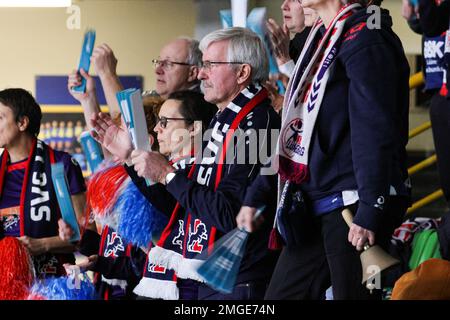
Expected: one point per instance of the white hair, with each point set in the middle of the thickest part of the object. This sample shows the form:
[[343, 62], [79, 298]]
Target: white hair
[[245, 46]]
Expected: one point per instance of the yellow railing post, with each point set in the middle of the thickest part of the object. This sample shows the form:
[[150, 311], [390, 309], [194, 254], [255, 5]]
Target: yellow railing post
[[426, 200], [422, 165], [418, 130], [416, 80]]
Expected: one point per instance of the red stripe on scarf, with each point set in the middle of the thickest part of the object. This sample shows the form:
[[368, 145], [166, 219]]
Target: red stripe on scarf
[[173, 217], [241, 115], [290, 170], [186, 234]]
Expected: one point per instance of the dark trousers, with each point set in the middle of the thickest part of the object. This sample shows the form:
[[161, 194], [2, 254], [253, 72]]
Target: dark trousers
[[244, 291], [327, 258], [440, 121]]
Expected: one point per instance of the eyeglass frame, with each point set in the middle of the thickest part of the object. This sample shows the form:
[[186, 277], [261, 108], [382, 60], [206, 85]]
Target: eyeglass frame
[[163, 120], [211, 63], [165, 62]]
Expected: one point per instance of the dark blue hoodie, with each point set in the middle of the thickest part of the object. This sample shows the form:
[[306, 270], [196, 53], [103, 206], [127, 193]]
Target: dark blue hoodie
[[362, 128]]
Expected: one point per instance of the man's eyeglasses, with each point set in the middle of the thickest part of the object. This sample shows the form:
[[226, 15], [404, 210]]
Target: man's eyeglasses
[[163, 120], [167, 64], [207, 65]]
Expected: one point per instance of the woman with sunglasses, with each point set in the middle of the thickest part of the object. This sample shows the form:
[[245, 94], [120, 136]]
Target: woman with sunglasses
[[181, 120], [117, 264]]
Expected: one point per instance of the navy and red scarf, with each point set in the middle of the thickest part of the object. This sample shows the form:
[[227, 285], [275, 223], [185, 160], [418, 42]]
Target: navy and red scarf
[[39, 210], [159, 282], [186, 236], [112, 246]]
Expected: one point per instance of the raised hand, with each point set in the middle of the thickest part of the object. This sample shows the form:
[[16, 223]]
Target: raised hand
[[65, 231], [113, 138], [104, 61], [279, 37], [74, 80], [276, 98], [246, 219]]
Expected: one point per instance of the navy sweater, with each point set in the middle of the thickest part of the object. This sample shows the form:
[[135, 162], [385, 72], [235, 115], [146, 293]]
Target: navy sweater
[[362, 128]]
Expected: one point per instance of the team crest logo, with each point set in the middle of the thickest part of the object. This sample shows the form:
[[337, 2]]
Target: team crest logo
[[11, 222], [353, 32], [45, 264], [114, 245], [196, 236], [292, 138]]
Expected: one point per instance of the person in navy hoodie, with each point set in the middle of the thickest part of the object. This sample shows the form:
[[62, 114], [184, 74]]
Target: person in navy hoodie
[[342, 145]]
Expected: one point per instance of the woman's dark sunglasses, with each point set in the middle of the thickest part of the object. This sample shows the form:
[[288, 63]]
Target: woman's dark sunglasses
[[163, 120]]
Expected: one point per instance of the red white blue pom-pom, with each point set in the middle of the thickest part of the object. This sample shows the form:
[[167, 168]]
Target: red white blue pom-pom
[[104, 188], [16, 269], [138, 219], [62, 288]]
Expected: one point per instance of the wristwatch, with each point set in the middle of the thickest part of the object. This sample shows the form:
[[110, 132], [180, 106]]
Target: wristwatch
[[169, 177]]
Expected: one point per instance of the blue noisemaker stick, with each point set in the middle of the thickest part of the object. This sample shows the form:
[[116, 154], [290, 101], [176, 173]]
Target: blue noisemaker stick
[[91, 150], [221, 268], [85, 59], [64, 200], [131, 107], [256, 22], [226, 18]]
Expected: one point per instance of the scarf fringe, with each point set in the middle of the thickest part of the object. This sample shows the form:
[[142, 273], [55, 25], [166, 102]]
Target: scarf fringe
[[293, 171], [275, 241], [115, 282], [184, 268], [188, 269], [165, 258], [157, 289]]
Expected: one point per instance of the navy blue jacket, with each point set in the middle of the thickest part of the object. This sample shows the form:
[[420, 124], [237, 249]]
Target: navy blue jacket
[[362, 128]]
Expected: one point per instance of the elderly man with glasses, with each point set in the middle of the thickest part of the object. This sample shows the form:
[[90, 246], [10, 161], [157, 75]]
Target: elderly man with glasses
[[210, 194], [177, 67]]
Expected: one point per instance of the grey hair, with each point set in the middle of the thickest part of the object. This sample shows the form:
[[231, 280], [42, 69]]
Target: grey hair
[[194, 54], [245, 46]]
